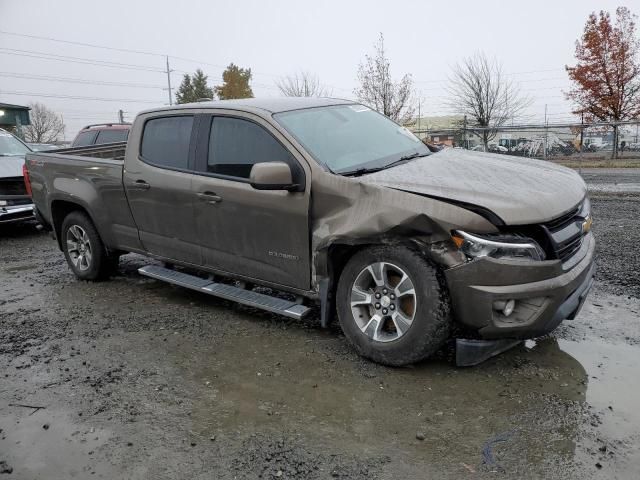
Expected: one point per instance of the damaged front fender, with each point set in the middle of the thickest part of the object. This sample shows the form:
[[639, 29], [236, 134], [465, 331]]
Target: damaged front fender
[[348, 212]]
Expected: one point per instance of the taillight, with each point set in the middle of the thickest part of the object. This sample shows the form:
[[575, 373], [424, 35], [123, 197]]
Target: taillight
[[27, 180]]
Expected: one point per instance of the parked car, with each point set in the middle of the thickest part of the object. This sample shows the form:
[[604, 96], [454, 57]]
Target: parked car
[[15, 202], [495, 148], [101, 133], [326, 200]]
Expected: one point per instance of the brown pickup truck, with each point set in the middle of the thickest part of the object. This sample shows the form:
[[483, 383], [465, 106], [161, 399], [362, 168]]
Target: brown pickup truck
[[327, 201]]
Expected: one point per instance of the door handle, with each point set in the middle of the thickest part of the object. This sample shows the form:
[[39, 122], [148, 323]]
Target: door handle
[[209, 197], [140, 184]]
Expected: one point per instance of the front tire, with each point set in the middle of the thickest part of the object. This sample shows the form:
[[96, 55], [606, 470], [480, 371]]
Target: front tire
[[392, 306], [86, 255]]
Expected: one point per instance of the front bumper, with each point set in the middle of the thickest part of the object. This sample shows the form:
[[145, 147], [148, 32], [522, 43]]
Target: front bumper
[[16, 213], [546, 293]]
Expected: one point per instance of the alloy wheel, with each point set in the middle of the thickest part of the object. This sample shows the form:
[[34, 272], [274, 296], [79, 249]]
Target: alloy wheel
[[79, 247], [383, 301]]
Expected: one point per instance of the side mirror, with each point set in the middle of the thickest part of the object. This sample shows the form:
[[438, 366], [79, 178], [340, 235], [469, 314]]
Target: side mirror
[[272, 176]]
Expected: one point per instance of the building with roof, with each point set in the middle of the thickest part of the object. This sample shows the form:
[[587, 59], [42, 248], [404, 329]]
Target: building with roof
[[13, 117]]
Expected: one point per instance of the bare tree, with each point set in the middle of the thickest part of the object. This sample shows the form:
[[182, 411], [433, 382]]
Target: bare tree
[[480, 90], [46, 125], [378, 90], [303, 84]]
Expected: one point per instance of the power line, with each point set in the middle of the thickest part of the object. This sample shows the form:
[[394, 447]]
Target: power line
[[77, 80], [81, 60], [130, 66], [110, 64], [142, 52], [92, 45], [74, 97]]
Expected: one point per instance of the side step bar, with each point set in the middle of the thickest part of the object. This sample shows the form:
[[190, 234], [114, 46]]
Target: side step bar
[[228, 292]]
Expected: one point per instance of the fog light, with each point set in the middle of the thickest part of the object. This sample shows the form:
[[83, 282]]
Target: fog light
[[506, 307]]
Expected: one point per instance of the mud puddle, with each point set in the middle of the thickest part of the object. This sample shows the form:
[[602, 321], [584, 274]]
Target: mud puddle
[[549, 395], [39, 444]]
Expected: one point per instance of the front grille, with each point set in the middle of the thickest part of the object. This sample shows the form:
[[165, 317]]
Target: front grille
[[560, 222], [565, 234], [12, 186], [569, 249]]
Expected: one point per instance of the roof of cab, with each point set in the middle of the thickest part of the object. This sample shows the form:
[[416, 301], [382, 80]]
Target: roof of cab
[[272, 105]]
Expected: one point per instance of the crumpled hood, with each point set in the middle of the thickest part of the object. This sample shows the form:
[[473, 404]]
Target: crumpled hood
[[11, 166], [519, 190]]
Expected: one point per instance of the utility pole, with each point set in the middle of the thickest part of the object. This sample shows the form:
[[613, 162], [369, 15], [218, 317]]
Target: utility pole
[[169, 81], [581, 130], [120, 116], [464, 133], [546, 132]]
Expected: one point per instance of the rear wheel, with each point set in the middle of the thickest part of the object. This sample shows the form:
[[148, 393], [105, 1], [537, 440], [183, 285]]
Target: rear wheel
[[85, 253], [392, 305]]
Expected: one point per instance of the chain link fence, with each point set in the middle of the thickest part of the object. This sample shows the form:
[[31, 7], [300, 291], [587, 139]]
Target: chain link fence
[[582, 143]]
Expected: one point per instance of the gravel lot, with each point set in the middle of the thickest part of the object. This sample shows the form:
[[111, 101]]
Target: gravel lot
[[133, 378]]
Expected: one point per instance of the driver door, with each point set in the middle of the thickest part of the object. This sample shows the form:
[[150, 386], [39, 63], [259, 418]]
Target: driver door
[[253, 233]]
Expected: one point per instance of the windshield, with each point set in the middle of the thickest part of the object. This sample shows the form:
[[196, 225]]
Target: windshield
[[10, 146], [348, 138]]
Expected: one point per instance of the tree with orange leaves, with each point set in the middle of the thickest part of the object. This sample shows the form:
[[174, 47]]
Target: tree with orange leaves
[[606, 78]]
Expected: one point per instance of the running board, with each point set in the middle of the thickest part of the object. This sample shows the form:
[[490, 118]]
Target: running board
[[228, 292]]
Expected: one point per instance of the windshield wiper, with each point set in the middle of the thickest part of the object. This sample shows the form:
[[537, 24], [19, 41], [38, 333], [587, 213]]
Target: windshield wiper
[[405, 158], [362, 171]]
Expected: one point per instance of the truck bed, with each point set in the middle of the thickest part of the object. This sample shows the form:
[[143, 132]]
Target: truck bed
[[113, 151], [90, 177]]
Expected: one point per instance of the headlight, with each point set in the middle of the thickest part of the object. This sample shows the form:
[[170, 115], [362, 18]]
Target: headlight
[[504, 246]]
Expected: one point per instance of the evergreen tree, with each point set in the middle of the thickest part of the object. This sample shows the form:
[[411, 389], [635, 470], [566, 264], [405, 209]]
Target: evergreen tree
[[235, 83], [194, 88]]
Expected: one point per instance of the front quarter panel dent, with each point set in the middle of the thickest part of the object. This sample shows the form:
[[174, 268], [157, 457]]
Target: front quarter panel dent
[[347, 211]]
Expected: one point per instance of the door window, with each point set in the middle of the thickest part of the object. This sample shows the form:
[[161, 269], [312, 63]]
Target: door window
[[165, 141], [235, 145]]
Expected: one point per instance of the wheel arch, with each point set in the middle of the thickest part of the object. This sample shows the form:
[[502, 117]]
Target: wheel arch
[[331, 260], [60, 209]]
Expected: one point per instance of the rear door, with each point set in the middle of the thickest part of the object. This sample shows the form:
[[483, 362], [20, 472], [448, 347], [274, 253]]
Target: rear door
[[158, 181], [255, 233]]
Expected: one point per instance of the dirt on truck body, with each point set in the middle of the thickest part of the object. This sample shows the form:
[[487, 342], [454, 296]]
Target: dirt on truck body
[[330, 202]]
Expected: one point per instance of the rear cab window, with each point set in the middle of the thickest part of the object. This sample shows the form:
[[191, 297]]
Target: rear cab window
[[165, 141], [112, 136], [84, 139]]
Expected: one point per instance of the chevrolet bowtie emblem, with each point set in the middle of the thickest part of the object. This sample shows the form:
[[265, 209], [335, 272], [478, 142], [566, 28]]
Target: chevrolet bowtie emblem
[[586, 225]]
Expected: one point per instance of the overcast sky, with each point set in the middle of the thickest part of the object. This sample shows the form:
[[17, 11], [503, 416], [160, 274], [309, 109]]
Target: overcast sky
[[533, 40]]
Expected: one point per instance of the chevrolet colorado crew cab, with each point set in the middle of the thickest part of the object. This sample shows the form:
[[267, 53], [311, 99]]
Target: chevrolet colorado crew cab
[[327, 201]]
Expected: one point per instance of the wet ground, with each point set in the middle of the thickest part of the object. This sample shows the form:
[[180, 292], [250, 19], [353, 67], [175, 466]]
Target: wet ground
[[133, 378], [618, 181]]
